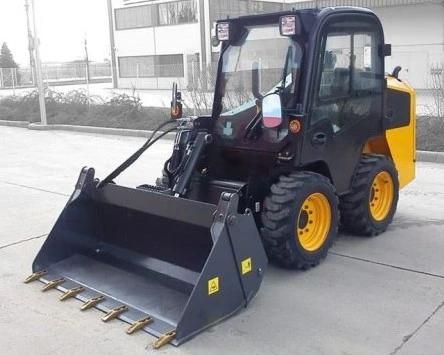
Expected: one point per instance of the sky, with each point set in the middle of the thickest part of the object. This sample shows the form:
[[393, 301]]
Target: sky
[[62, 28]]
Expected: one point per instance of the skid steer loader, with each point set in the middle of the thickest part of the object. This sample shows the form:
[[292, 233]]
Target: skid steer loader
[[307, 135]]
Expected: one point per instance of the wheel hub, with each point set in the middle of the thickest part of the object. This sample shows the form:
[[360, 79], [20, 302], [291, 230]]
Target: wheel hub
[[381, 196], [303, 219], [314, 222]]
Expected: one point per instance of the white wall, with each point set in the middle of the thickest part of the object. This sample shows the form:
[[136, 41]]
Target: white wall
[[158, 40], [128, 3], [135, 42], [175, 39], [416, 33]]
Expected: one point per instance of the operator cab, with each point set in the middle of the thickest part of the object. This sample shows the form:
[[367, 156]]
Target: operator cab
[[327, 68]]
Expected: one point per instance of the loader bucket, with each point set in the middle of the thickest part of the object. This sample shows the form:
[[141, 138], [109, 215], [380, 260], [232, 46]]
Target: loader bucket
[[166, 265]]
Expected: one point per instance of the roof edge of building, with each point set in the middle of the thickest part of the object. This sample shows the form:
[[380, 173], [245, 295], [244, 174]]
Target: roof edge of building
[[361, 3]]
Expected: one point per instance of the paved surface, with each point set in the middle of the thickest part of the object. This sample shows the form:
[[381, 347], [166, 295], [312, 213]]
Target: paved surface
[[382, 295]]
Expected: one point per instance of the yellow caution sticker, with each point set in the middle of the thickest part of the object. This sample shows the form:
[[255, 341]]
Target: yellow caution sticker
[[213, 286], [246, 266]]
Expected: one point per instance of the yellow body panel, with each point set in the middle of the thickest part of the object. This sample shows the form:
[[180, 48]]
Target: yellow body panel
[[399, 143]]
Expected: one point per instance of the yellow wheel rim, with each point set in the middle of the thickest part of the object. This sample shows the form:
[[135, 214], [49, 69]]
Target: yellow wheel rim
[[381, 196], [314, 222]]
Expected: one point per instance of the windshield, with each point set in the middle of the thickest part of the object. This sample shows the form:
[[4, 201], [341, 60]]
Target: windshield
[[265, 51]]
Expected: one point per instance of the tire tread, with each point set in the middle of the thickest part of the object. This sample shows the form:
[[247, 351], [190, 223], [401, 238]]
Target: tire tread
[[354, 205], [278, 222]]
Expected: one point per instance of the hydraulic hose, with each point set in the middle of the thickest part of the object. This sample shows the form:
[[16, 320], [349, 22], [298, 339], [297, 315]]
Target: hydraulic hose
[[132, 159]]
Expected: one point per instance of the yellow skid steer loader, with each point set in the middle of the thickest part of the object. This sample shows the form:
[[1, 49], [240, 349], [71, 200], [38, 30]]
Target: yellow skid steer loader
[[307, 135]]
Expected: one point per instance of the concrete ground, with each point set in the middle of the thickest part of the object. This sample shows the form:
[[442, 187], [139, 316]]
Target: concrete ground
[[381, 295]]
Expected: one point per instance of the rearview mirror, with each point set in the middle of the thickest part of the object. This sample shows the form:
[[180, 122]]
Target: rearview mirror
[[387, 50], [176, 103], [272, 111]]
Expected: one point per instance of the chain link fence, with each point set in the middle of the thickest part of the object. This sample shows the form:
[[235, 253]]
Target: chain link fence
[[75, 71], [11, 78]]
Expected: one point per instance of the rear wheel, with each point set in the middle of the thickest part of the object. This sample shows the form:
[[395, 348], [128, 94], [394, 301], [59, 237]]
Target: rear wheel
[[370, 206], [300, 220]]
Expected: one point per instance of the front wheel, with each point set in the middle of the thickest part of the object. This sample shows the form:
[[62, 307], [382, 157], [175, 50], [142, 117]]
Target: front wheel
[[300, 220]]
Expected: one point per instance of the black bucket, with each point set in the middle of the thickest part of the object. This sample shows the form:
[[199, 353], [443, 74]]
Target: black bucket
[[167, 265]]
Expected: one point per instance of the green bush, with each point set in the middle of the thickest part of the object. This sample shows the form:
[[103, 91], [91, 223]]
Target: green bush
[[430, 134], [76, 108], [126, 111]]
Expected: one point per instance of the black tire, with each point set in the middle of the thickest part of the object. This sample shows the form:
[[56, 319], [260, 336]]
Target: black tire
[[281, 219], [356, 215]]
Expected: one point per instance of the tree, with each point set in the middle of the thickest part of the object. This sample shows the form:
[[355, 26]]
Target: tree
[[6, 57], [11, 77]]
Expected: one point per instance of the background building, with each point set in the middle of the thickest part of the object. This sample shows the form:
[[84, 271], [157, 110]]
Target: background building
[[415, 28], [156, 42]]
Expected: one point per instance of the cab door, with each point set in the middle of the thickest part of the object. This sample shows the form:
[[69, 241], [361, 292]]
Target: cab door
[[346, 102]]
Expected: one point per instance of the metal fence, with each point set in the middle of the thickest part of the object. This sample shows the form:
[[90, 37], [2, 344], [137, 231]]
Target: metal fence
[[75, 71], [10, 77], [53, 73]]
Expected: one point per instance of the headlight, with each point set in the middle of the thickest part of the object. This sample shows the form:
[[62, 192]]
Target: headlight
[[289, 25], [223, 31]]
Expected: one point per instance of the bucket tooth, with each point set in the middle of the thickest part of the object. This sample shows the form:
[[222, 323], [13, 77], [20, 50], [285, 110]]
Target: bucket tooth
[[71, 293], [53, 284], [114, 313], [92, 302], [164, 339], [35, 276], [137, 325]]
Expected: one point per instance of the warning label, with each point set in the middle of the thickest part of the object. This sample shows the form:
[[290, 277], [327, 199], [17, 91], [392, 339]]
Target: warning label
[[213, 286], [246, 266]]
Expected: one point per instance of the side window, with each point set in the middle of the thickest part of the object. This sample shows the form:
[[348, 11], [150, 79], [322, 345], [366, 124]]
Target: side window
[[335, 72], [350, 76], [366, 64]]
